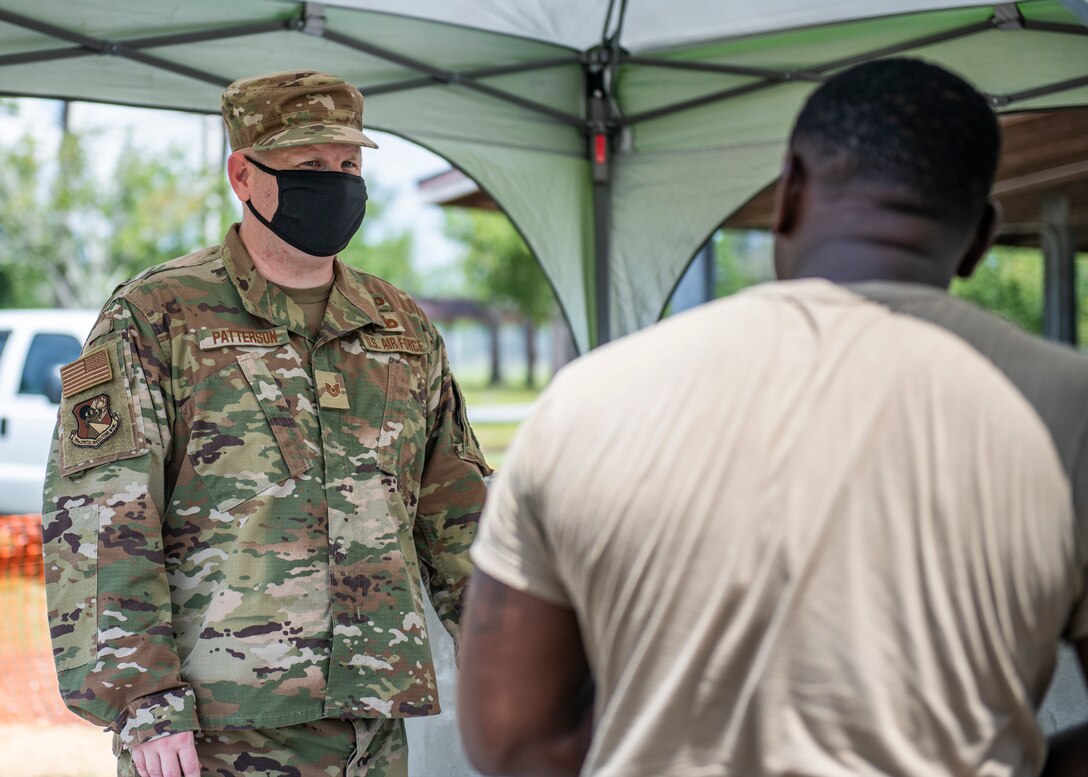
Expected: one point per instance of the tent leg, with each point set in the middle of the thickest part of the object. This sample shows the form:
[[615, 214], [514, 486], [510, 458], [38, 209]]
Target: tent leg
[[602, 225], [600, 142], [1059, 274]]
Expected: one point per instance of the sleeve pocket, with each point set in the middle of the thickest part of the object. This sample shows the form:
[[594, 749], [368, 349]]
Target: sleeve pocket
[[465, 443], [70, 546], [103, 421]]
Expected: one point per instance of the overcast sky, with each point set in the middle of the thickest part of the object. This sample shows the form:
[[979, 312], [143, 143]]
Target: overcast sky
[[397, 164]]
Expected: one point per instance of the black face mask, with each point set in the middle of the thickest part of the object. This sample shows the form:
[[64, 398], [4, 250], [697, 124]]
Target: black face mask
[[318, 212]]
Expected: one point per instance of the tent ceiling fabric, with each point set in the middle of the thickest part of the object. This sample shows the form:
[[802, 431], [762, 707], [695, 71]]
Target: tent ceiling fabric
[[616, 134]]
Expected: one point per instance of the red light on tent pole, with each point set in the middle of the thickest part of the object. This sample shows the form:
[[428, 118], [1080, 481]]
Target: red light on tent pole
[[600, 149]]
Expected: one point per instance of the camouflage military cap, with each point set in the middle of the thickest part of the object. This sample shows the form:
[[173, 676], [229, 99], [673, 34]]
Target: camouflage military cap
[[295, 108]]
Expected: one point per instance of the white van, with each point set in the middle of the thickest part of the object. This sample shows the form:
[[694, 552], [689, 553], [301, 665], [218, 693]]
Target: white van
[[34, 344]]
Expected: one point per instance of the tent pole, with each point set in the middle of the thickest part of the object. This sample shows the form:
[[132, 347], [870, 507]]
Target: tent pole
[[602, 221], [1059, 272], [814, 74], [445, 76], [599, 151], [602, 129]]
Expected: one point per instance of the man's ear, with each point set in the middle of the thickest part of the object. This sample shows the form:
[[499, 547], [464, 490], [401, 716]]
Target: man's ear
[[238, 174], [983, 237], [789, 195]]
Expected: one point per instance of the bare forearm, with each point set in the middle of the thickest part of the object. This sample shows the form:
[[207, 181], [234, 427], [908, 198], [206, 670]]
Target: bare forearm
[[525, 692], [558, 755], [1068, 756], [555, 749]]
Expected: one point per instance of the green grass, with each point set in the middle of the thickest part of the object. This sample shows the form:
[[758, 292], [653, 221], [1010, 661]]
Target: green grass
[[495, 439]]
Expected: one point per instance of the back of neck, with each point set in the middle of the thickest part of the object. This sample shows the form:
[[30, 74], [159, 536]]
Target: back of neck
[[854, 261]]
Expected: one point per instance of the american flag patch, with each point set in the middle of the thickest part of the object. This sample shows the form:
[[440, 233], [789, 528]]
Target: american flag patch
[[90, 370]]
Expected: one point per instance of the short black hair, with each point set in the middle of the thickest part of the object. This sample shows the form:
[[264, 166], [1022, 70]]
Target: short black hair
[[909, 124]]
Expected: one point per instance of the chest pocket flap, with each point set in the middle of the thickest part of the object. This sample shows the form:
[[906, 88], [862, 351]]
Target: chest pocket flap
[[245, 439], [397, 366]]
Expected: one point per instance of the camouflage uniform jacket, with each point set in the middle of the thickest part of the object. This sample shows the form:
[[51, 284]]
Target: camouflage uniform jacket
[[237, 518]]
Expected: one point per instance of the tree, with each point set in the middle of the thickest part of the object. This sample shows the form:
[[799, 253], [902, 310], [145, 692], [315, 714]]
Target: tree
[[742, 258], [68, 238], [158, 207], [68, 235], [43, 258], [1008, 282], [500, 269]]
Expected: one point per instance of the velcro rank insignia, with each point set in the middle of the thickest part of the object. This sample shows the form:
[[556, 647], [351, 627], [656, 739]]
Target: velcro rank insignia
[[390, 323], [332, 394], [224, 338], [86, 372], [393, 343]]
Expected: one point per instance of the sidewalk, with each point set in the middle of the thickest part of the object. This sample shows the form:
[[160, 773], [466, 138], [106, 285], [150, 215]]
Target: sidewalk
[[499, 414], [50, 750]]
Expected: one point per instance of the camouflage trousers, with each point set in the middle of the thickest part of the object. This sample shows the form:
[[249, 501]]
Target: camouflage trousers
[[373, 747]]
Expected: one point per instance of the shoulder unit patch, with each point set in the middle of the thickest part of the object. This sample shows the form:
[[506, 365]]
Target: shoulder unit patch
[[101, 418], [95, 422]]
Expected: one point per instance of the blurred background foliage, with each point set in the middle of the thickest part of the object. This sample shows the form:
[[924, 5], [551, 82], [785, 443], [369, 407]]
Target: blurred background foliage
[[498, 267], [1008, 282], [68, 236]]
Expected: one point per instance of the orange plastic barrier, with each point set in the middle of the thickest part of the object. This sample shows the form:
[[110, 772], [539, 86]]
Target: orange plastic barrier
[[21, 545], [28, 681]]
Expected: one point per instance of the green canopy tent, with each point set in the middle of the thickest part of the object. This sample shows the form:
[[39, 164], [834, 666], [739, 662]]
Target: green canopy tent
[[616, 134]]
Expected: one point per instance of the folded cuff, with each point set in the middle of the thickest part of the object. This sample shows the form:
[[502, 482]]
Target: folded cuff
[[154, 716]]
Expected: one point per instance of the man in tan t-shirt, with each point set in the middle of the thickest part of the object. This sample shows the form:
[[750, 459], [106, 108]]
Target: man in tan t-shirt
[[834, 526]]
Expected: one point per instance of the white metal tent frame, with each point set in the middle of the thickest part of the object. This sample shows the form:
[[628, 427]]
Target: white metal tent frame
[[602, 118]]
